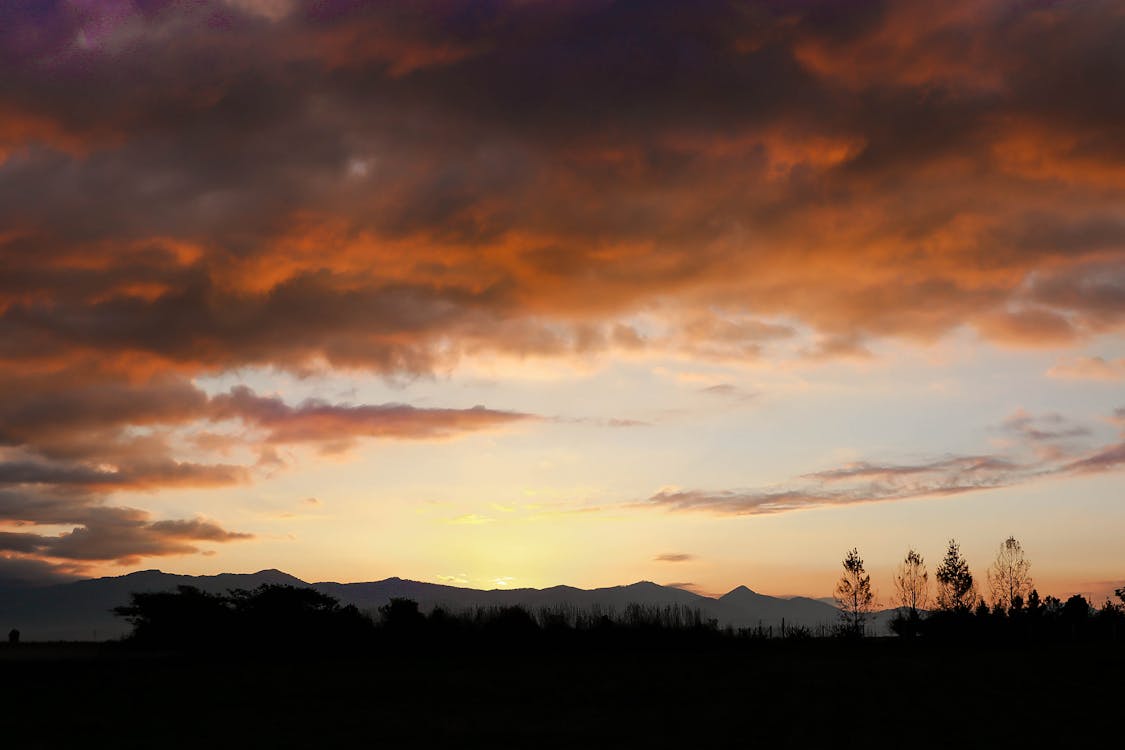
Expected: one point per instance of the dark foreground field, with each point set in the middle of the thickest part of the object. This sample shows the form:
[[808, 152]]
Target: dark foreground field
[[742, 695]]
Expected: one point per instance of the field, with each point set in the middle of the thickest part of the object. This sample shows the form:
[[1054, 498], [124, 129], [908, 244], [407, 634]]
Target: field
[[719, 695]]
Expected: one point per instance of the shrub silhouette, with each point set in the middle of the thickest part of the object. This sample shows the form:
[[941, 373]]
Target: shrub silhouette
[[401, 616], [185, 617], [275, 613], [269, 615]]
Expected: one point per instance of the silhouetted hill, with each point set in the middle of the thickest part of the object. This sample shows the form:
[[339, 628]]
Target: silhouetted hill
[[743, 607], [82, 610]]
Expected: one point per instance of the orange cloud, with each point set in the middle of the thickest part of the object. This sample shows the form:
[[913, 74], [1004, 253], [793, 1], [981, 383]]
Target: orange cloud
[[318, 422], [190, 189]]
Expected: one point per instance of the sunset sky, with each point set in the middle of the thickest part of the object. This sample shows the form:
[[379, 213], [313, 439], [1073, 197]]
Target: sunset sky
[[531, 292]]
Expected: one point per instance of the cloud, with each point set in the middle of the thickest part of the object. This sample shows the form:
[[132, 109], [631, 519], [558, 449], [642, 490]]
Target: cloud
[[960, 177], [509, 178], [124, 535], [1089, 368], [728, 391], [315, 421], [1044, 428], [619, 422], [1108, 459], [611, 422], [674, 557], [75, 438], [19, 572], [874, 481]]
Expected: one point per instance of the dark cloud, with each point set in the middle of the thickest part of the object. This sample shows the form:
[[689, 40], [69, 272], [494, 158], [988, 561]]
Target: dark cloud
[[120, 534], [127, 535], [19, 572], [368, 183], [98, 532], [191, 188]]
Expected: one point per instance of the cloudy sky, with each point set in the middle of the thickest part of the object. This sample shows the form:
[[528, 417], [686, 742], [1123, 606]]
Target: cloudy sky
[[520, 293]]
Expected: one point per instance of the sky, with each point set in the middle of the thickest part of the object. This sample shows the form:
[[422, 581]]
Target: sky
[[523, 293]]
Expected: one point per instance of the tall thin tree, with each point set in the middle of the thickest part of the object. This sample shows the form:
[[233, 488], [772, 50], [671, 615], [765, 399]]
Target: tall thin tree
[[853, 593], [912, 584], [1009, 578], [956, 591]]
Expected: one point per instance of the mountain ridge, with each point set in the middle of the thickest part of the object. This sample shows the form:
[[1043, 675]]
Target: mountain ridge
[[81, 610]]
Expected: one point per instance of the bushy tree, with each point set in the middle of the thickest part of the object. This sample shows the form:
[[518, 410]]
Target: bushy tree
[[853, 593], [1009, 578], [401, 615], [268, 616], [956, 591], [185, 617]]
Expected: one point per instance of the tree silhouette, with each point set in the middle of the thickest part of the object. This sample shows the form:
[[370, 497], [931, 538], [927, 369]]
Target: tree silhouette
[[853, 593], [912, 583], [1009, 578], [956, 591], [1034, 604], [187, 616], [912, 593], [277, 613], [401, 615], [268, 616]]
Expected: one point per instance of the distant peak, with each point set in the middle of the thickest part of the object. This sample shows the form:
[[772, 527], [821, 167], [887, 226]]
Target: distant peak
[[742, 590], [275, 576]]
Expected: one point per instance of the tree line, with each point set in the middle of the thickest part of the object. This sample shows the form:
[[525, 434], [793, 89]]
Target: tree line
[[304, 619], [949, 605], [955, 607]]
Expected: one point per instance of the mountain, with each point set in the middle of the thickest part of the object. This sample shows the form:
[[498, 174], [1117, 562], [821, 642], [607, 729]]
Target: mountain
[[743, 607], [82, 610]]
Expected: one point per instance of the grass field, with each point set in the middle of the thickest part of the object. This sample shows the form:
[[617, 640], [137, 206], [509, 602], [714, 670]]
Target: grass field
[[763, 694]]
